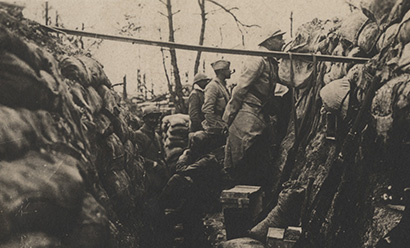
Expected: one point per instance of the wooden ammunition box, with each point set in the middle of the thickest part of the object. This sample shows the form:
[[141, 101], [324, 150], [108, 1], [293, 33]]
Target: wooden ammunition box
[[241, 205], [243, 197], [275, 239], [293, 233]]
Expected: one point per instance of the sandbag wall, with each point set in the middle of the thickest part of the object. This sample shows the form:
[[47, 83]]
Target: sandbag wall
[[70, 172], [175, 130], [349, 205]]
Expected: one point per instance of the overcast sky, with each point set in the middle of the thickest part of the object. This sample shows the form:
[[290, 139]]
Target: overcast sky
[[119, 59]]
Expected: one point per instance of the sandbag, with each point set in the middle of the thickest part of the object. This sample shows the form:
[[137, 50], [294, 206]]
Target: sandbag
[[136, 173], [309, 34], [33, 240], [401, 110], [103, 124], [118, 186], [98, 76], [27, 51], [335, 96], [174, 120], [94, 100], [241, 243], [129, 150], [404, 61], [74, 69], [108, 98], [115, 152], [398, 11], [404, 33], [378, 10], [21, 86], [21, 130], [178, 130], [382, 106], [40, 192], [92, 229], [387, 38], [176, 138], [79, 95], [337, 71], [351, 26], [302, 72], [355, 74], [285, 213], [368, 37], [120, 128], [175, 143]]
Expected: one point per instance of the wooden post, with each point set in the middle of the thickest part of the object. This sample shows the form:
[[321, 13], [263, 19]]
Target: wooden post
[[58, 35], [46, 13], [56, 18], [291, 24], [124, 91]]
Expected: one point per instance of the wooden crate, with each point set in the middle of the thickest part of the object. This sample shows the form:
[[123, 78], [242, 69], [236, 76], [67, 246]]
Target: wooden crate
[[275, 239], [243, 197], [240, 205]]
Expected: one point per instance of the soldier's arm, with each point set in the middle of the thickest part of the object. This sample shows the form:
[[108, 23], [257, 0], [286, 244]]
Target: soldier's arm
[[210, 99]]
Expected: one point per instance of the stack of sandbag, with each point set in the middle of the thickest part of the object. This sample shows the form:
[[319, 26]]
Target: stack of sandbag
[[68, 166], [380, 27], [42, 190], [392, 100], [116, 159], [175, 130]]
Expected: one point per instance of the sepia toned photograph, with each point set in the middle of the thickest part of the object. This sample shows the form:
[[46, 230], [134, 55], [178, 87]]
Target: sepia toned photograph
[[204, 124]]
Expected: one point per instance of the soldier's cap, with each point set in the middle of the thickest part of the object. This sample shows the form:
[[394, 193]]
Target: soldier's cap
[[150, 110], [200, 76], [220, 65], [270, 34]]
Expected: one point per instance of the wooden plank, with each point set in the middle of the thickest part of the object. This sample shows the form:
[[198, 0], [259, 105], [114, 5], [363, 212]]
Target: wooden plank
[[173, 45]]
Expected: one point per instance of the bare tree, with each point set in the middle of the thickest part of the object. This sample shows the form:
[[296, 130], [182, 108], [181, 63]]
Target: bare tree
[[201, 4], [241, 26], [170, 89], [179, 100]]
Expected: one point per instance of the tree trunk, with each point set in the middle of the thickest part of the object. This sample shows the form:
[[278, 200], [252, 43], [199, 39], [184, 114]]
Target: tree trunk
[[179, 100], [171, 91], [201, 4]]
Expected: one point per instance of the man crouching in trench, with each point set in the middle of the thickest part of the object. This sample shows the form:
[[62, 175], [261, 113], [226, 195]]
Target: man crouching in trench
[[248, 153]]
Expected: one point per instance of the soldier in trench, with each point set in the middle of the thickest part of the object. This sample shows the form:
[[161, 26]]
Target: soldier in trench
[[157, 174], [195, 102], [248, 153], [216, 98]]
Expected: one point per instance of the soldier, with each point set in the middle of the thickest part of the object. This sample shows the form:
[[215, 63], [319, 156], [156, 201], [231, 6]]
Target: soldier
[[216, 98], [196, 100], [150, 148], [247, 152]]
